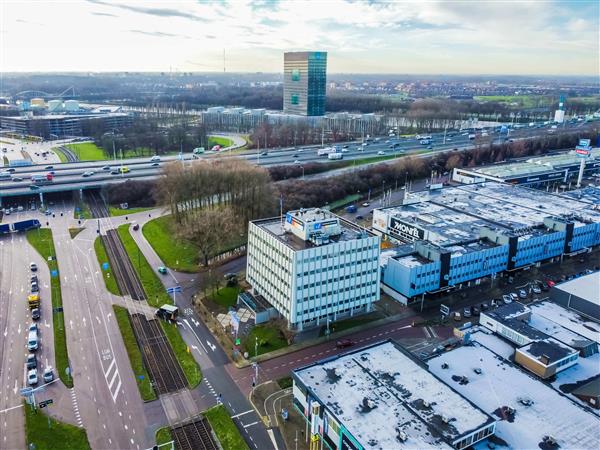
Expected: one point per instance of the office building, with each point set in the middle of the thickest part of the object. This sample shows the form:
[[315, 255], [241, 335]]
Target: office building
[[313, 266], [582, 295], [304, 83], [380, 397], [457, 236]]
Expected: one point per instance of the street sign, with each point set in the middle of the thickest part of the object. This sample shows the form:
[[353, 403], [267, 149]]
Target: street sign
[[444, 310], [176, 289], [45, 403], [105, 266], [238, 341]]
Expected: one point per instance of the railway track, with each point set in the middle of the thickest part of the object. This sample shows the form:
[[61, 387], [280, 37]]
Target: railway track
[[123, 269], [159, 358], [97, 206], [195, 435]]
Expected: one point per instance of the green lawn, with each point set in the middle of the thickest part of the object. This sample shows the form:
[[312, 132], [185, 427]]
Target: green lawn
[[114, 211], [84, 211], [109, 280], [163, 436], [155, 290], [269, 339], [226, 431], [75, 231], [88, 151], [176, 254], [226, 296], [223, 142], [135, 355], [156, 296], [186, 360], [44, 433], [61, 155], [41, 240], [344, 201], [285, 382]]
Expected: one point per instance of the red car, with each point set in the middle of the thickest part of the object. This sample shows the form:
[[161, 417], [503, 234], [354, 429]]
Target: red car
[[550, 283], [343, 343]]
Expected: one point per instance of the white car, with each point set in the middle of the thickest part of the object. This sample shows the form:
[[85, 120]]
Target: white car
[[381, 152], [297, 161], [345, 150], [87, 173], [32, 377], [48, 375], [155, 158]]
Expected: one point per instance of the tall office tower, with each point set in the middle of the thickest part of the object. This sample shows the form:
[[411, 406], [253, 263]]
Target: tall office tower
[[304, 79]]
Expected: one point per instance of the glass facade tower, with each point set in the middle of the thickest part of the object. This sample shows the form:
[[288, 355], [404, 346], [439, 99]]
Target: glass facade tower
[[304, 83]]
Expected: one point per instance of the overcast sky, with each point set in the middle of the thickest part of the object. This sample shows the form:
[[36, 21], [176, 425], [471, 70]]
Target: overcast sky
[[433, 37]]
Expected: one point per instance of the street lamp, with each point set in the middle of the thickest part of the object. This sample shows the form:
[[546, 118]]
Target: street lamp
[[302, 167]]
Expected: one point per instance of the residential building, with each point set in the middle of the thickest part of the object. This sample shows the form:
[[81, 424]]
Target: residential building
[[304, 83], [313, 266], [381, 397]]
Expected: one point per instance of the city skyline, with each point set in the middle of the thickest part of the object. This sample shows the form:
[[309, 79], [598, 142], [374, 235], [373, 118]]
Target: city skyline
[[527, 38]]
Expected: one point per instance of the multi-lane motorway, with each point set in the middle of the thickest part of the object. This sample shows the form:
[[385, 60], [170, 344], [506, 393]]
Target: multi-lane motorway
[[70, 176]]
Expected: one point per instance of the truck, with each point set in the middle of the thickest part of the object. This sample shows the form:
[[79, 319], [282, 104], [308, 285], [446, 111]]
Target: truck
[[325, 151], [33, 300], [4, 228], [42, 179], [25, 225], [336, 155], [421, 137]]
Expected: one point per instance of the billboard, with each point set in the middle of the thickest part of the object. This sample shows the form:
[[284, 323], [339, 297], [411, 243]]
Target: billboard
[[295, 223], [405, 230]]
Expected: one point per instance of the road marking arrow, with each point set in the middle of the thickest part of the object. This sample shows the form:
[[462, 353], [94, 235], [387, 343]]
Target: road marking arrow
[[195, 322], [212, 346], [19, 329], [16, 388], [108, 315], [98, 319], [71, 324]]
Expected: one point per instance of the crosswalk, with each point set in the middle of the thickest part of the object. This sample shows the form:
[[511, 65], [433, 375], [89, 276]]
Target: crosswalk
[[113, 379], [76, 407]]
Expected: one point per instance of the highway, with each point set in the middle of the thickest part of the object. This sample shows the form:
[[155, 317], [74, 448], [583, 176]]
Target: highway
[[69, 176]]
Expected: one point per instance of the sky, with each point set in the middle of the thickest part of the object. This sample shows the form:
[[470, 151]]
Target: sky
[[533, 37]]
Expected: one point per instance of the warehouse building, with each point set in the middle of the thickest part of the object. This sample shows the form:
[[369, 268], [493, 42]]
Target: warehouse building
[[380, 397], [536, 171], [459, 235], [581, 295], [313, 267]]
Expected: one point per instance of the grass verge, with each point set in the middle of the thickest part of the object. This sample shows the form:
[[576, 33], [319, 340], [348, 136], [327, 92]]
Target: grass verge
[[41, 240], [75, 231], [344, 201], [61, 155], [269, 339], [285, 382], [156, 295], [184, 356], [175, 253], [45, 433], [88, 151], [109, 281], [82, 211], [113, 211], [155, 290], [216, 140], [226, 296], [163, 436], [226, 431], [135, 355]]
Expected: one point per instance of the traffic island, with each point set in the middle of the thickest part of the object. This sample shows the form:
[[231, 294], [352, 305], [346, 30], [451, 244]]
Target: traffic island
[[42, 432], [224, 428]]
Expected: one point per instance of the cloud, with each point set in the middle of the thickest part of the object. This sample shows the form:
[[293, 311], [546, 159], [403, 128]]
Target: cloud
[[160, 12], [159, 34], [103, 14]]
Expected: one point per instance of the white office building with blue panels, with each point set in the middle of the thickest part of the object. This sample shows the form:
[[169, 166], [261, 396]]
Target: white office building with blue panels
[[462, 234], [313, 266]]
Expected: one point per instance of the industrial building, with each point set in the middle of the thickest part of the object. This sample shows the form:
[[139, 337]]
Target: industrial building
[[380, 397], [313, 267], [582, 295], [61, 125], [456, 236], [304, 83], [536, 171]]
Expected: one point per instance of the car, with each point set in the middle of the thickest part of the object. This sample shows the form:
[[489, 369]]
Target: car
[[522, 293], [48, 212], [124, 169], [114, 172], [506, 299], [484, 306], [359, 217], [35, 287], [345, 146], [32, 377], [514, 297], [536, 289], [345, 150], [136, 227], [87, 173], [545, 287], [33, 279], [264, 153], [33, 267], [49, 167], [33, 187], [365, 204], [344, 343], [48, 375], [475, 310], [381, 152], [17, 179], [105, 167], [32, 342], [456, 316], [429, 147], [35, 313], [156, 164], [31, 361], [33, 327], [155, 158], [296, 156], [467, 312], [52, 172], [162, 269], [297, 161]]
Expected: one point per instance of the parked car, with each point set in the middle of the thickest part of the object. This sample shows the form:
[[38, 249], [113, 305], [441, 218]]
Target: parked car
[[467, 312], [514, 297], [33, 267], [536, 289], [522, 293], [48, 375], [35, 287], [35, 313], [31, 361], [33, 327], [550, 283], [506, 299], [475, 310], [456, 316], [484, 306], [343, 343], [32, 377]]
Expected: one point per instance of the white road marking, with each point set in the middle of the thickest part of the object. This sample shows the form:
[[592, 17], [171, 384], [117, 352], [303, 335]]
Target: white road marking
[[242, 414], [250, 424]]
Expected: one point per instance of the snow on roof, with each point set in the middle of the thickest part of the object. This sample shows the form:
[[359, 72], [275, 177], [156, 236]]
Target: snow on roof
[[557, 331], [548, 348], [568, 319], [586, 287], [585, 369], [502, 384], [379, 389]]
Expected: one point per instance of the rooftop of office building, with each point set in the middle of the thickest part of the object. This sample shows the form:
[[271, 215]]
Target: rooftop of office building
[[590, 194], [380, 392], [586, 287], [314, 223], [568, 319]]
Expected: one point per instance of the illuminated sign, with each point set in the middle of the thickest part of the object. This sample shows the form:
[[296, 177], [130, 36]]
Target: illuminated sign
[[405, 230], [294, 222]]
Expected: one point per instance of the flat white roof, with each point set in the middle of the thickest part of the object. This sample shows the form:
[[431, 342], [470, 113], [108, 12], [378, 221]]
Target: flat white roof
[[568, 319], [397, 386], [502, 384], [586, 287]]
